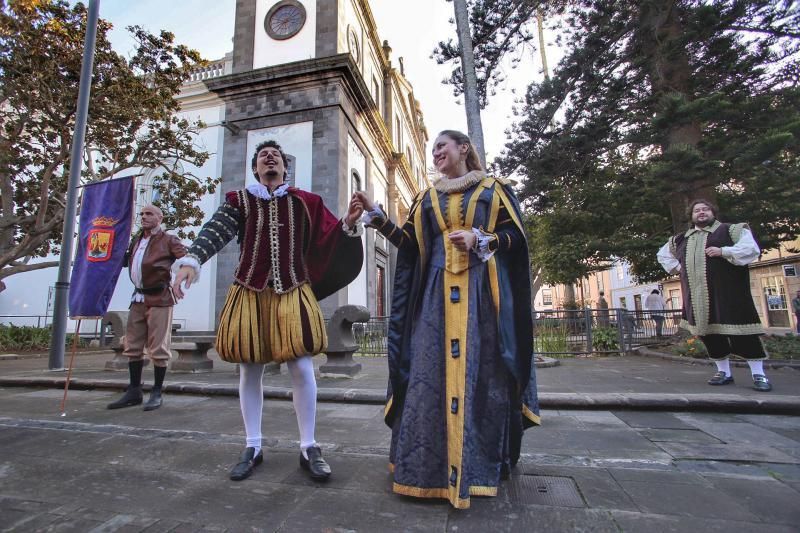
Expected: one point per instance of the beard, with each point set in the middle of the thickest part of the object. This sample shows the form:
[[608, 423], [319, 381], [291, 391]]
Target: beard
[[704, 223]]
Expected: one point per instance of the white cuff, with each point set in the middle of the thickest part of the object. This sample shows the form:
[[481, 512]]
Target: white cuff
[[369, 216], [355, 231], [481, 248], [190, 261]]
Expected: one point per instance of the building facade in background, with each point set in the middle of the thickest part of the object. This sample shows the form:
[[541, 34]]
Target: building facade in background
[[315, 76]]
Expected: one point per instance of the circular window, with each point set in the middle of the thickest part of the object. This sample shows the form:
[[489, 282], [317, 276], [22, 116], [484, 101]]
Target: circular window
[[285, 19]]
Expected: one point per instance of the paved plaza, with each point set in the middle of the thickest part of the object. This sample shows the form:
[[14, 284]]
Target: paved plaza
[[603, 469]]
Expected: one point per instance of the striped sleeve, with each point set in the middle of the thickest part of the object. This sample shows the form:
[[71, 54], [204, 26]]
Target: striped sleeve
[[216, 233]]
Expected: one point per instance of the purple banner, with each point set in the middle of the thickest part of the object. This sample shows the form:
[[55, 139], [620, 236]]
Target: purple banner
[[105, 229]]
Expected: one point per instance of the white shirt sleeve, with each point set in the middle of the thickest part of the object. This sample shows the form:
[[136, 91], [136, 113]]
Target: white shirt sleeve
[[668, 261], [743, 252]]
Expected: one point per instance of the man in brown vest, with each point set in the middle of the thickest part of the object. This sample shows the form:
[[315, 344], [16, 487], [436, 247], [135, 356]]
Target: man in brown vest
[[149, 260], [712, 259]]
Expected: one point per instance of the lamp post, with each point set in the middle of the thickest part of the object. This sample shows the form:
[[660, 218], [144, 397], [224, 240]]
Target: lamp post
[[57, 341]]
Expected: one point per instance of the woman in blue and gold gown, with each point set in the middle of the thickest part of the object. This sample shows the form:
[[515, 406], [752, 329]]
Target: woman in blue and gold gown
[[462, 385]]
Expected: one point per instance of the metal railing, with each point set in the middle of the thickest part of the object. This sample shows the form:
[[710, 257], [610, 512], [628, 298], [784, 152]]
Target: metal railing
[[592, 331], [38, 321], [563, 332], [371, 336]]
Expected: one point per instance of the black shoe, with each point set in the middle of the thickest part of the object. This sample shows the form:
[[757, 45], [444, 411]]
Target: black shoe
[[154, 402], [720, 378], [132, 396], [761, 383], [247, 463], [315, 464]]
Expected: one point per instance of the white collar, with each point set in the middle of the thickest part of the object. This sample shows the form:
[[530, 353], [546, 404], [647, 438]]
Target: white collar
[[261, 191], [450, 185]]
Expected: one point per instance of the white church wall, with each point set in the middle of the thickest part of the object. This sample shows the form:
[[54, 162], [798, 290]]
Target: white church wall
[[295, 139], [268, 51], [357, 163], [27, 293]]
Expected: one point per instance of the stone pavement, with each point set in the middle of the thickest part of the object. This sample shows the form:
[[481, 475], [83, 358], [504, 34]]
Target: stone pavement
[[630, 382], [629, 464]]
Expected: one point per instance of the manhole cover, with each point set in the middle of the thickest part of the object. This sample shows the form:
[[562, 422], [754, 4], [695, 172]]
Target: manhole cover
[[545, 490]]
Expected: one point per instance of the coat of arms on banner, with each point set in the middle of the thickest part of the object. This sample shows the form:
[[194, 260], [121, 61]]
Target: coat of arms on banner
[[100, 239]]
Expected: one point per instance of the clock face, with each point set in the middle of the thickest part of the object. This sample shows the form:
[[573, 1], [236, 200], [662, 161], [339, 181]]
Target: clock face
[[285, 19], [352, 44]]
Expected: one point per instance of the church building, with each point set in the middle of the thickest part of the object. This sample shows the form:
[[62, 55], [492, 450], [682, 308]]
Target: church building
[[315, 76]]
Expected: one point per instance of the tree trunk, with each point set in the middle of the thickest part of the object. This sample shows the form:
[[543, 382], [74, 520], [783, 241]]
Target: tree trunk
[[471, 98], [670, 73]]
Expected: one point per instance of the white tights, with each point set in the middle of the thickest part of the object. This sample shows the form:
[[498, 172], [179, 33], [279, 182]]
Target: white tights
[[304, 398]]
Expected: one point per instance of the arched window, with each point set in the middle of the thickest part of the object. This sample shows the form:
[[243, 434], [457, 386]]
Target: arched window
[[355, 181]]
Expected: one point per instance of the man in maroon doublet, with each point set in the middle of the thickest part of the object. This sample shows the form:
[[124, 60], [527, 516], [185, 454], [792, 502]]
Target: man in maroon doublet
[[288, 241]]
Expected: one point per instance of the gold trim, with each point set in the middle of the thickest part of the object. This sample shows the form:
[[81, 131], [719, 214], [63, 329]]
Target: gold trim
[[455, 320], [473, 202], [418, 231], [494, 284], [509, 208], [437, 210], [418, 492], [388, 406], [530, 415], [493, 214], [477, 490], [391, 468]]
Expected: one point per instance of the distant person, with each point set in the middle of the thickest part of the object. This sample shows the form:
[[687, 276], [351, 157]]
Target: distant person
[[462, 384], [796, 307], [712, 259], [655, 303], [603, 318], [149, 259]]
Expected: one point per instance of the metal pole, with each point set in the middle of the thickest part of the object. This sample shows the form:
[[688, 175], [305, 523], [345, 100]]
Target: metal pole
[[56, 361]]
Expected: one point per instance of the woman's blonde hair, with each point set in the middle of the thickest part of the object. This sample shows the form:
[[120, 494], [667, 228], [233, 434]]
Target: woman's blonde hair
[[473, 161]]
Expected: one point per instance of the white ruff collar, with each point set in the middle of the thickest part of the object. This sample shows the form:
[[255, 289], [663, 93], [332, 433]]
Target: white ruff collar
[[261, 191], [449, 185]]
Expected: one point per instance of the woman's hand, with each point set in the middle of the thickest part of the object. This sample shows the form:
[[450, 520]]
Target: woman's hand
[[365, 201], [464, 240]]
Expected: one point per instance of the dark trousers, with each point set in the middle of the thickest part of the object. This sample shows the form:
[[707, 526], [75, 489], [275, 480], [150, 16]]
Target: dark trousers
[[659, 319], [745, 346]]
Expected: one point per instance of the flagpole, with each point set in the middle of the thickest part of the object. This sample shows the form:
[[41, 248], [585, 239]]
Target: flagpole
[[75, 342], [59, 332]]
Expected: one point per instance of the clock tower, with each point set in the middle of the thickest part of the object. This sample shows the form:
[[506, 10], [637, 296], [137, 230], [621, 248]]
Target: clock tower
[[315, 76]]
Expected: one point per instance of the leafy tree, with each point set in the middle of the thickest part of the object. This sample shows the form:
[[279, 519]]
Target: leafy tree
[[655, 103], [500, 28], [133, 124]]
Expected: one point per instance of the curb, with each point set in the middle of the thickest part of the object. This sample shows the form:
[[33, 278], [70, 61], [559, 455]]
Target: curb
[[717, 403], [646, 352], [42, 355]]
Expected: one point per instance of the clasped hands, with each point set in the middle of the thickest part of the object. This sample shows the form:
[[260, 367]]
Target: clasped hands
[[463, 240]]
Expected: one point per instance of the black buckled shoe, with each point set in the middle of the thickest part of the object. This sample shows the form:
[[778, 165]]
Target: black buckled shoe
[[720, 378], [315, 464], [155, 401], [132, 396], [248, 461], [761, 383]]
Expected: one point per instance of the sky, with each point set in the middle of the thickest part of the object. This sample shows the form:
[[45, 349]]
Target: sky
[[412, 27]]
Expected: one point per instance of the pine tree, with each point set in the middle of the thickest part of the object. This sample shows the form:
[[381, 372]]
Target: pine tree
[[655, 103]]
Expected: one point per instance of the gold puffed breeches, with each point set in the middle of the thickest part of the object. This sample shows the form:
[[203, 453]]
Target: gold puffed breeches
[[262, 327]]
